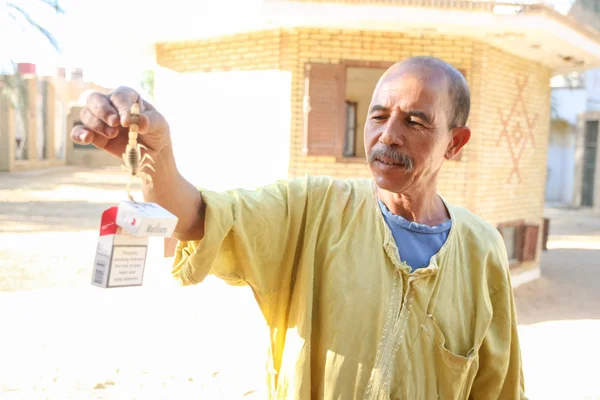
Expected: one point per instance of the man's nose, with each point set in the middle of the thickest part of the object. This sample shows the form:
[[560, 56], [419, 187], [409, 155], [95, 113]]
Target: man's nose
[[393, 132]]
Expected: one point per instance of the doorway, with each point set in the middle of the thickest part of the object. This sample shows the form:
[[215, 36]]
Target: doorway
[[589, 163]]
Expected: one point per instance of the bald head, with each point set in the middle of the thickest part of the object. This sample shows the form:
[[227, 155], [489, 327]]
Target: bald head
[[459, 98]]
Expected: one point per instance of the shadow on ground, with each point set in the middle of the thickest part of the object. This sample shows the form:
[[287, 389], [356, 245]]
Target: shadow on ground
[[569, 288], [64, 215]]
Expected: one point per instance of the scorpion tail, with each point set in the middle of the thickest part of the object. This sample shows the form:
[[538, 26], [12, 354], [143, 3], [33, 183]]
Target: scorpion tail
[[128, 189]]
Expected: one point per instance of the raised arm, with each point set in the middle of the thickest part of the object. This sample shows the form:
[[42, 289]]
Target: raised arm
[[242, 236], [106, 120]]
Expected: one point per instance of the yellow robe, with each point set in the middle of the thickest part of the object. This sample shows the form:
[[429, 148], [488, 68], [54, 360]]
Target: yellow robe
[[347, 318]]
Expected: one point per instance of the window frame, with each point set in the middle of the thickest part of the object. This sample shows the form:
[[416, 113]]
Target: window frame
[[354, 106]]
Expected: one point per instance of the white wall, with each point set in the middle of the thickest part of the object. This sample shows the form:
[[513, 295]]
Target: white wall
[[229, 129], [553, 179], [569, 103], [592, 88], [561, 168]]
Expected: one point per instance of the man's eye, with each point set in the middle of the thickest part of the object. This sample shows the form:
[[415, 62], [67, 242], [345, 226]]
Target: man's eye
[[379, 117], [414, 123]]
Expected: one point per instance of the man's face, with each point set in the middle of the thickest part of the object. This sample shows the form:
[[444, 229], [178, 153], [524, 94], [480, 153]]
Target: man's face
[[407, 133]]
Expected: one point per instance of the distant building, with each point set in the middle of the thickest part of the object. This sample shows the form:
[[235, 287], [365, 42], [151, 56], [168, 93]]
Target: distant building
[[34, 133], [574, 151]]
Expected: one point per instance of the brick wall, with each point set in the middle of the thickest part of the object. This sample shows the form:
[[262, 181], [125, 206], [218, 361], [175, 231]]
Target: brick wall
[[484, 179], [513, 138], [511, 121], [250, 51]]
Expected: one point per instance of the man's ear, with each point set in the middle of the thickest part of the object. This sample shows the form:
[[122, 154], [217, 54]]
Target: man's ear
[[460, 137]]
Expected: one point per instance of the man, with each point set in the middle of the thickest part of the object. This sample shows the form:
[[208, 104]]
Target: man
[[372, 289]]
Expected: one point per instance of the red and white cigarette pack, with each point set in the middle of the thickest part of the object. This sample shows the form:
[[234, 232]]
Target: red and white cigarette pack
[[123, 242], [145, 219]]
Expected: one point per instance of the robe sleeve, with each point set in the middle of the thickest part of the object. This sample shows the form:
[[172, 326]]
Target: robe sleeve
[[500, 374], [251, 237]]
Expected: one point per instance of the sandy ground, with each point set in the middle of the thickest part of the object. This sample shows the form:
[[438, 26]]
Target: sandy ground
[[62, 338], [559, 314]]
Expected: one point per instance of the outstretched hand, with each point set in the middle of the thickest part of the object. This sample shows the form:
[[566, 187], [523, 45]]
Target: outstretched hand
[[106, 119]]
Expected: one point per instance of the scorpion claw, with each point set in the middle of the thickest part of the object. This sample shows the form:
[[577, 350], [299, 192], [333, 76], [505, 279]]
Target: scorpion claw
[[146, 156], [148, 166]]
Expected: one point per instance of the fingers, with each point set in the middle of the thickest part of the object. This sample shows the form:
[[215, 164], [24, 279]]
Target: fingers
[[114, 146], [101, 107], [122, 99], [97, 124], [105, 112], [152, 122], [82, 135], [105, 115]]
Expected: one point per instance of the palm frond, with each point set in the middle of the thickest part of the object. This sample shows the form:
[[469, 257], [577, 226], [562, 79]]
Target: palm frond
[[54, 4], [12, 16], [37, 26]]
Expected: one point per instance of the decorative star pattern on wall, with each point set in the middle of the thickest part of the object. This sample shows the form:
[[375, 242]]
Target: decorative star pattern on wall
[[517, 128]]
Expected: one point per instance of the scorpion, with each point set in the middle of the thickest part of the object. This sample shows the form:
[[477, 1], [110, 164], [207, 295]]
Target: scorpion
[[132, 158]]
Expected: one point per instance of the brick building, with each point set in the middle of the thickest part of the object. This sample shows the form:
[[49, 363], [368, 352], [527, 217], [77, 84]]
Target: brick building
[[305, 76]]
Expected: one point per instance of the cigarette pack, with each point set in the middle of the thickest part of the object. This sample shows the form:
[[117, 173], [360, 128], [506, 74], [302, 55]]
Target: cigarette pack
[[145, 219], [123, 242]]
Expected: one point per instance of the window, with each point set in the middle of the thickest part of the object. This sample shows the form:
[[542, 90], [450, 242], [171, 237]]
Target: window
[[350, 136], [336, 101], [360, 83]]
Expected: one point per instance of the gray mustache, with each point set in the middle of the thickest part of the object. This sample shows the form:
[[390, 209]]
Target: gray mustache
[[389, 152]]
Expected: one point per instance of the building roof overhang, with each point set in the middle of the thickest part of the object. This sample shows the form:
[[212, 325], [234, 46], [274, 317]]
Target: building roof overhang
[[533, 31]]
